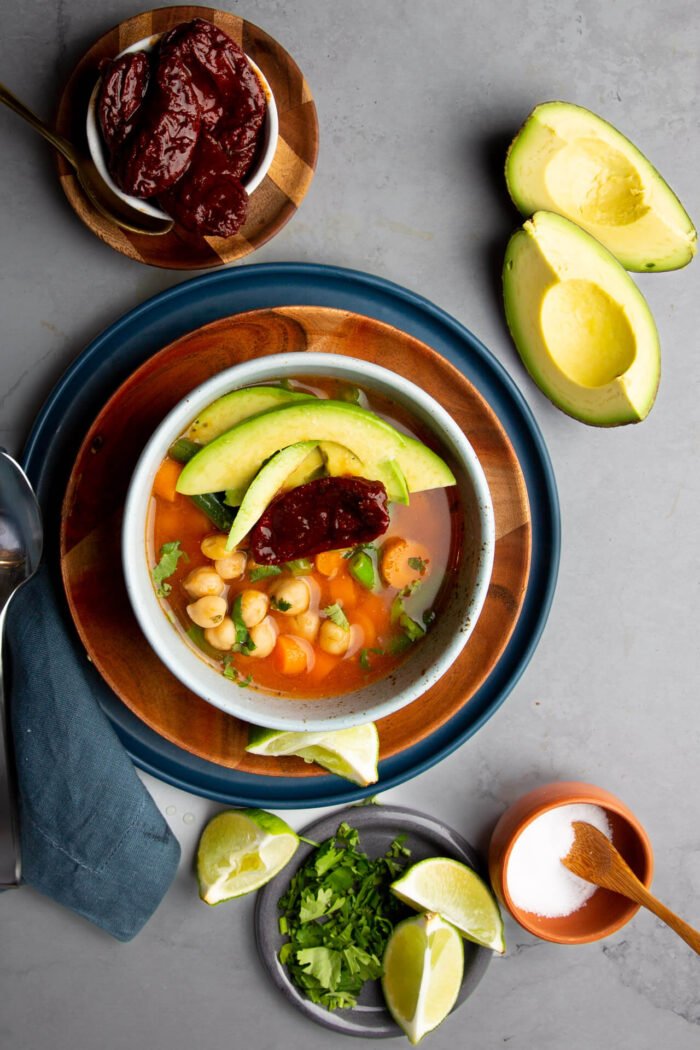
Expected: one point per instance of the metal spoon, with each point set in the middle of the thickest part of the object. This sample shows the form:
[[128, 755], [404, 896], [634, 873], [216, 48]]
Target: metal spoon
[[21, 543], [594, 858], [98, 192]]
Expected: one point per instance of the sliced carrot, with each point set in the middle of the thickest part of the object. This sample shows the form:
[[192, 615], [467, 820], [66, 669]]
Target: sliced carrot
[[166, 480], [290, 658], [343, 589], [394, 560], [330, 563], [323, 665]]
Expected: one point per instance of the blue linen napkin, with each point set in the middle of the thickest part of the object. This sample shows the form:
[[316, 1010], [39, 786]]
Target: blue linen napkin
[[92, 838]]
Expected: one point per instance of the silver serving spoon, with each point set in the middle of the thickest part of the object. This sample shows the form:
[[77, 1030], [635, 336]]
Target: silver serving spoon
[[98, 192], [21, 543]]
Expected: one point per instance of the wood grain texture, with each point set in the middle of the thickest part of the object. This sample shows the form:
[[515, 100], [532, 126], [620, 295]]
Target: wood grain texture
[[281, 191], [91, 520]]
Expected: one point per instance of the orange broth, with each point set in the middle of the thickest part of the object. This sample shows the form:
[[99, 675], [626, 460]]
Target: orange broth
[[378, 643]]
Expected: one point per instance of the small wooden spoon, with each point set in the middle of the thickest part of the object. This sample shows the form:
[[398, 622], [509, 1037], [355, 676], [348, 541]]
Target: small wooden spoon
[[594, 858]]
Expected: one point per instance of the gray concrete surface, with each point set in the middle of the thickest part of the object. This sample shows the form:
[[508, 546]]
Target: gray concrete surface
[[416, 103]]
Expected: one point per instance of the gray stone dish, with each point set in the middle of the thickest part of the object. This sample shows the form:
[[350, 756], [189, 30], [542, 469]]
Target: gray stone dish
[[378, 826]]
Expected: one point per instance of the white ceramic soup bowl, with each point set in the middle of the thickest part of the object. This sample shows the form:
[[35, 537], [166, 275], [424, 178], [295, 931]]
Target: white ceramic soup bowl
[[98, 151], [459, 609]]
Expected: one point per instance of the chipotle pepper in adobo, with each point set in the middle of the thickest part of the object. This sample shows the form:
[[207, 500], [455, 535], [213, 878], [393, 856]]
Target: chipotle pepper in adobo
[[321, 515], [183, 125]]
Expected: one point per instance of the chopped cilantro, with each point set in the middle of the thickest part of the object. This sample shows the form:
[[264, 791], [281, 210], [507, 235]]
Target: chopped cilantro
[[260, 572], [399, 644], [411, 588], [418, 564], [410, 628], [335, 613], [364, 657], [338, 913], [170, 555], [280, 603], [244, 643], [233, 674]]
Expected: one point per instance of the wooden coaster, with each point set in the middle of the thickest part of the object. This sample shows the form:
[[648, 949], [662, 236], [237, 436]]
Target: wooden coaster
[[92, 510], [271, 205]]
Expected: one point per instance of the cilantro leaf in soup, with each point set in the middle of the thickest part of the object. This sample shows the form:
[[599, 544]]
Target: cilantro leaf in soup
[[244, 643], [261, 572], [335, 613], [418, 564], [170, 555]]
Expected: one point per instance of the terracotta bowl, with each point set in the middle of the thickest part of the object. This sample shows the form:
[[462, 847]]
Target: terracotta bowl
[[604, 912]]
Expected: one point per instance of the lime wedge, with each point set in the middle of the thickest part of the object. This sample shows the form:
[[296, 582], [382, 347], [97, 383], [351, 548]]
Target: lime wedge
[[457, 894], [240, 850], [423, 968], [351, 753]]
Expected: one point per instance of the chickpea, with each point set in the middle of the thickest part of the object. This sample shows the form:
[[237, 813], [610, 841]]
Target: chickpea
[[208, 611], [333, 639], [214, 546], [254, 606], [264, 637], [223, 635], [202, 582], [290, 597], [232, 566], [306, 625]]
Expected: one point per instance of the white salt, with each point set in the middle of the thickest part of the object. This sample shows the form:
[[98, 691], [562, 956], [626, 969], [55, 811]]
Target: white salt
[[537, 880]]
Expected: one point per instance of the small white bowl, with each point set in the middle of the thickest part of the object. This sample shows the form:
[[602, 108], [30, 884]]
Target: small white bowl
[[97, 150], [434, 654]]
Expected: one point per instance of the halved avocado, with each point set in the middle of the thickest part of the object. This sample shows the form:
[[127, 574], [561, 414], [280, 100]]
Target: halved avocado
[[567, 160], [233, 459], [581, 325], [232, 408], [264, 487]]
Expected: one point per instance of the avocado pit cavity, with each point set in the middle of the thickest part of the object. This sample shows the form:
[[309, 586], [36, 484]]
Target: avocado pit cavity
[[587, 334]]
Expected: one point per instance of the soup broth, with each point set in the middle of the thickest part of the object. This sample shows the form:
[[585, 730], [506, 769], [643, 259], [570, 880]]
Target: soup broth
[[332, 622]]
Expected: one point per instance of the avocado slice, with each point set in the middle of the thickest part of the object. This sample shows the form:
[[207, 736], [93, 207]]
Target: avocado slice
[[581, 325], [233, 459], [309, 468], [340, 460], [567, 160], [238, 405], [265, 486]]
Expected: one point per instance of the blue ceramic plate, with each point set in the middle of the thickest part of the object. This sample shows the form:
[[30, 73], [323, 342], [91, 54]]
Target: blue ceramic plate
[[378, 827], [113, 355]]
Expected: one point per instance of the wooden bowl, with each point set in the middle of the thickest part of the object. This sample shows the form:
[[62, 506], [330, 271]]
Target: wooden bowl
[[94, 501], [282, 190], [604, 912]]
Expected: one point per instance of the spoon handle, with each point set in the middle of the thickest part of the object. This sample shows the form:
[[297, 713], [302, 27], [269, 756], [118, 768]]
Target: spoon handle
[[57, 141], [641, 895]]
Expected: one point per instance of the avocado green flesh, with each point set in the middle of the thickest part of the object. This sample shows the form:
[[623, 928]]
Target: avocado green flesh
[[233, 459], [580, 324], [233, 408], [265, 487], [567, 160], [310, 468]]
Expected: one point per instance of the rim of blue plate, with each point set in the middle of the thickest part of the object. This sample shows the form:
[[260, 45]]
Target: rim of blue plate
[[141, 332]]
